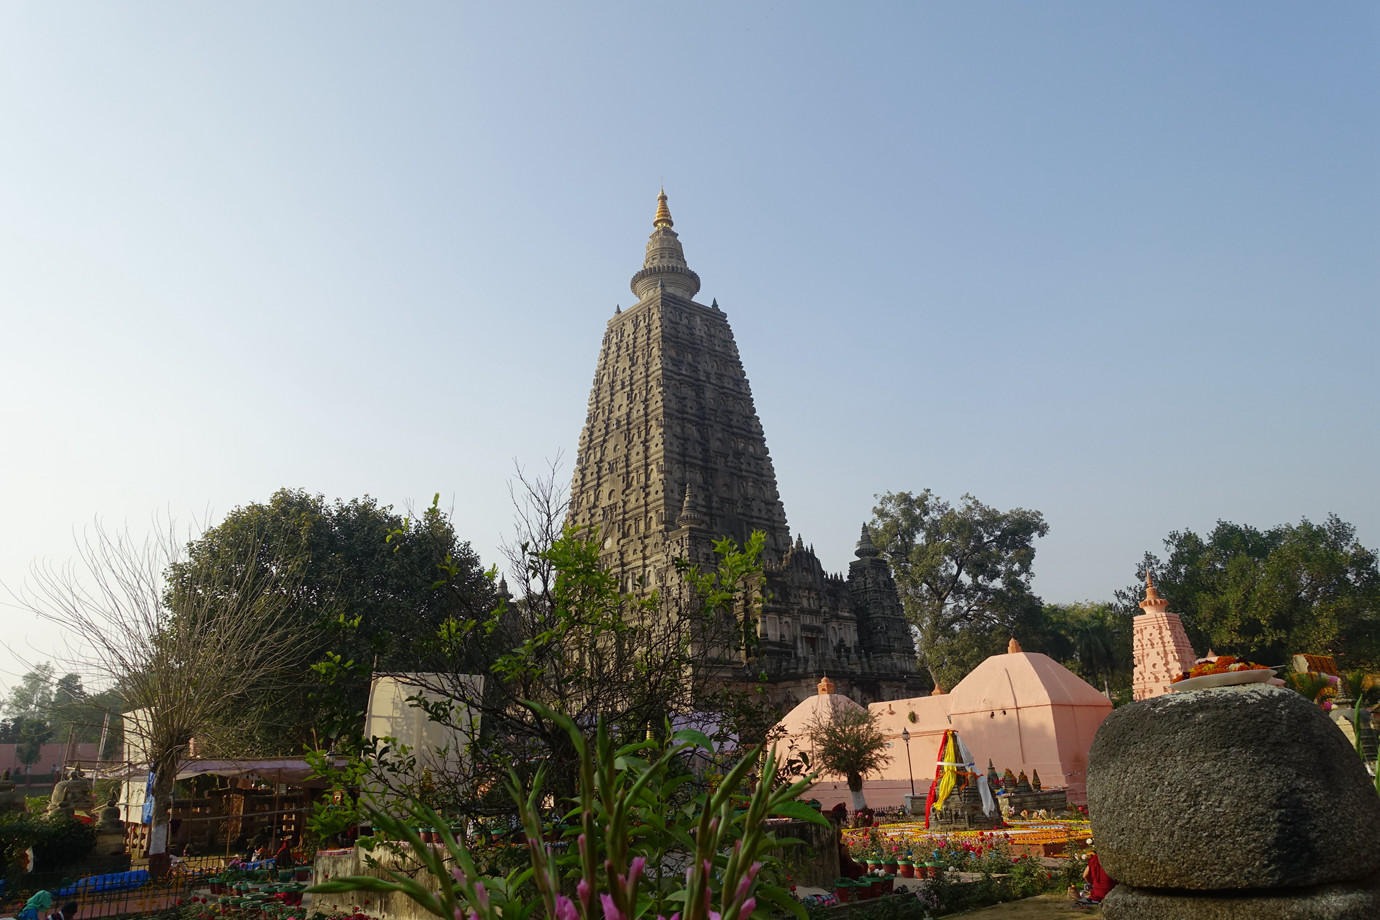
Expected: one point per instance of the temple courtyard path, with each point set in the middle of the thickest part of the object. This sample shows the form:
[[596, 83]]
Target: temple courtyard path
[[1048, 906]]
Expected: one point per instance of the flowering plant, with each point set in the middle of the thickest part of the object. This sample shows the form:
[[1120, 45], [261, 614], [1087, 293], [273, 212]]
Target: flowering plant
[[632, 845]]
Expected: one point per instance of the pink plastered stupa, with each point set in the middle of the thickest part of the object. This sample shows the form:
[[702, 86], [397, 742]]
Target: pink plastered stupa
[[1021, 710], [1159, 645]]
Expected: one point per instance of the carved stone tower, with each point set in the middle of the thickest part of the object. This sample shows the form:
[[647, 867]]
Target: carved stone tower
[[672, 456], [1160, 645]]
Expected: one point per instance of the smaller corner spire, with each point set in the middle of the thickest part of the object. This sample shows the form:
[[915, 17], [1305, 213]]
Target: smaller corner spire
[[663, 213], [866, 549], [689, 511]]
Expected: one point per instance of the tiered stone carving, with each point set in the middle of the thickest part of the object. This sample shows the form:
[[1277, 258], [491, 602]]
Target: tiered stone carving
[[1159, 645], [110, 830], [672, 456], [71, 795]]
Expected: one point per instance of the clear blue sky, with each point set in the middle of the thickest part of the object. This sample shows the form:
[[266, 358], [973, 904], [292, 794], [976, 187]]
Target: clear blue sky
[[1115, 262]]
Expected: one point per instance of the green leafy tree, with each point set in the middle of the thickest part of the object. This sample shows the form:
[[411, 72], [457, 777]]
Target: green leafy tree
[[963, 574], [571, 641], [33, 698], [33, 734], [369, 589], [1268, 594], [64, 709], [847, 741], [575, 644], [1091, 639]]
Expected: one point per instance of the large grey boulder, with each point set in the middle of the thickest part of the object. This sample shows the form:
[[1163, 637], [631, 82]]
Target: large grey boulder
[[1232, 788], [1326, 902]]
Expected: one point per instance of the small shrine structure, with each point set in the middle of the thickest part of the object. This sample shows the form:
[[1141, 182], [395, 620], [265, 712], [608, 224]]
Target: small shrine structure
[[1021, 710], [1159, 645]]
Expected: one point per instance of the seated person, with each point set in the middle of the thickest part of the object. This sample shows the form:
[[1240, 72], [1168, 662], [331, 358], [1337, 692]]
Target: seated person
[[36, 907], [68, 912], [1099, 883], [847, 867]]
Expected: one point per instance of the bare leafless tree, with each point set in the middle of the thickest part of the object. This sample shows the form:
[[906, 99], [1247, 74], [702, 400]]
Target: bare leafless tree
[[182, 655]]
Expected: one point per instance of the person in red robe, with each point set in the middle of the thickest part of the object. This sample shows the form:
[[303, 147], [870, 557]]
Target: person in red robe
[[1099, 882]]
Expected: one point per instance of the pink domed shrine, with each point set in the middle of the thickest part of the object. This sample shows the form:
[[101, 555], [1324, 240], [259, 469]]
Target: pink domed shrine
[[1022, 711]]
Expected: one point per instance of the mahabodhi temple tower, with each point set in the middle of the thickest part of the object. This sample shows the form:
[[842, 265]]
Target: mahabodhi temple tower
[[672, 457]]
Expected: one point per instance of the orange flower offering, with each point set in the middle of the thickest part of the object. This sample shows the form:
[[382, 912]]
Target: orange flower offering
[[1221, 665]]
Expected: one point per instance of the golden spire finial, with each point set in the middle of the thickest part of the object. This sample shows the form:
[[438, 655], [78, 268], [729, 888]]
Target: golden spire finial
[[663, 213]]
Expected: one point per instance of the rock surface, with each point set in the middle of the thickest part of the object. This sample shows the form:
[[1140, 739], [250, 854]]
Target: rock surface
[[1231, 788], [1326, 902]]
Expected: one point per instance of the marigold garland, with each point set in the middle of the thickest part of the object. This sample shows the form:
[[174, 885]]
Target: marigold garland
[[1222, 665]]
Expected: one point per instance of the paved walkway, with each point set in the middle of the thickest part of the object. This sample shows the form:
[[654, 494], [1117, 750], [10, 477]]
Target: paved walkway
[[1052, 905]]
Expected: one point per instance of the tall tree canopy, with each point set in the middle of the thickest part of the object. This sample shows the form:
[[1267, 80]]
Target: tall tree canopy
[[33, 698], [963, 574], [1268, 594], [1093, 640], [51, 709], [369, 586]]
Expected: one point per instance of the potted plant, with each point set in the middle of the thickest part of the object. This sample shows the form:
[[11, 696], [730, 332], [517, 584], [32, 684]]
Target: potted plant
[[843, 889], [905, 868]]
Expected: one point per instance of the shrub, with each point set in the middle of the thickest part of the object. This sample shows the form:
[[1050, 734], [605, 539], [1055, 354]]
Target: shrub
[[57, 842], [635, 850]]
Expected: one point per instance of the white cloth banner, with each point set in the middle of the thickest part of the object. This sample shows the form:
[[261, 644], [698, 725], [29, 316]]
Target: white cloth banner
[[989, 804]]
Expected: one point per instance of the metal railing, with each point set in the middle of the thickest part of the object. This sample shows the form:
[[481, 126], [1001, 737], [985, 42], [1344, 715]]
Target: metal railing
[[114, 894]]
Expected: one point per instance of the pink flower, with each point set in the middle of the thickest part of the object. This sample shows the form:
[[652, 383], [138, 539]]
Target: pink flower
[[565, 908], [611, 911], [582, 892]]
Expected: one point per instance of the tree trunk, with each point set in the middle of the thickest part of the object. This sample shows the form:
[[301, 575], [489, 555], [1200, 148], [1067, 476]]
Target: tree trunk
[[855, 787], [165, 774]]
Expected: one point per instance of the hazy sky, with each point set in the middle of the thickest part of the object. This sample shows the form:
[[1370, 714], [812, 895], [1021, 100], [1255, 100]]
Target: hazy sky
[[1115, 262]]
